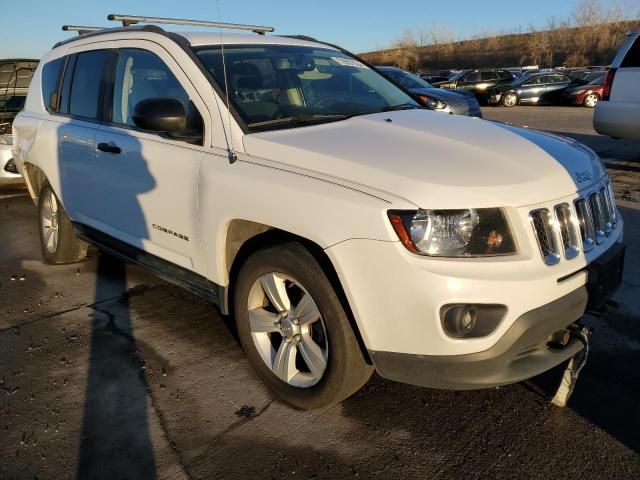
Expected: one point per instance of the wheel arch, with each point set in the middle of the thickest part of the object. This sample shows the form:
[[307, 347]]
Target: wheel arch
[[34, 178], [246, 237]]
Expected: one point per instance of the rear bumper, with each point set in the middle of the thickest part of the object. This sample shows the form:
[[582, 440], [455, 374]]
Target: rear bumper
[[520, 354], [617, 119]]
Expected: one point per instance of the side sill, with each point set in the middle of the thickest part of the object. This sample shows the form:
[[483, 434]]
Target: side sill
[[190, 281]]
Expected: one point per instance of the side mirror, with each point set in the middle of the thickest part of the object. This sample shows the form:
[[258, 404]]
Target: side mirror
[[160, 115], [166, 116]]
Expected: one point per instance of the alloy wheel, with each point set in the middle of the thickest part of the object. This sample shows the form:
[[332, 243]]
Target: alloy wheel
[[288, 330], [49, 214], [510, 100], [590, 100]]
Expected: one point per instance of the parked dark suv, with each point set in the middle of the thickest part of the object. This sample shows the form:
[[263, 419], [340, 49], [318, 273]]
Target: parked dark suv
[[478, 81]]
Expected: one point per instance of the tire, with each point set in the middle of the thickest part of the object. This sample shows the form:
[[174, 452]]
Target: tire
[[293, 276], [590, 100], [510, 99], [58, 240]]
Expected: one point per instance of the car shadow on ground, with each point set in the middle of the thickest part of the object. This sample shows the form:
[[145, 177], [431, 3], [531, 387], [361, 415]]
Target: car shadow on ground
[[115, 440]]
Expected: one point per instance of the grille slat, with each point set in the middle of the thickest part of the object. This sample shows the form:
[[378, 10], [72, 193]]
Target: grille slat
[[568, 230], [585, 221], [541, 222], [598, 217]]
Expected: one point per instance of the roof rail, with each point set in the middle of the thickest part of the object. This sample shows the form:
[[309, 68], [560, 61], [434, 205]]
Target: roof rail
[[132, 20], [80, 29]]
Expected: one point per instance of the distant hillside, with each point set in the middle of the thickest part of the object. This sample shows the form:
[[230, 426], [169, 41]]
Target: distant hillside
[[563, 46]]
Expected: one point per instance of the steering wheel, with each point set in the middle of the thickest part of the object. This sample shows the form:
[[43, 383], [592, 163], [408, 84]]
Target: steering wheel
[[324, 102]]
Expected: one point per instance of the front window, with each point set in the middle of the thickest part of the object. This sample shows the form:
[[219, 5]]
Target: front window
[[280, 86]]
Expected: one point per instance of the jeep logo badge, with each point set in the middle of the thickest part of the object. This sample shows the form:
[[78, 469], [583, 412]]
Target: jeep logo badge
[[582, 177]]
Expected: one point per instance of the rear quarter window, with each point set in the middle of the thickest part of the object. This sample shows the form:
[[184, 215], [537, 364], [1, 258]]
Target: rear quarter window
[[632, 58], [50, 80]]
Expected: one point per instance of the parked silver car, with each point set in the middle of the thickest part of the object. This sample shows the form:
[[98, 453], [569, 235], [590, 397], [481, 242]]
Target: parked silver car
[[15, 77], [459, 102]]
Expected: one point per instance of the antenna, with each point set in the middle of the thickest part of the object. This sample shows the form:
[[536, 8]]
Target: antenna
[[128, 20], [231, 150], [80, 29]]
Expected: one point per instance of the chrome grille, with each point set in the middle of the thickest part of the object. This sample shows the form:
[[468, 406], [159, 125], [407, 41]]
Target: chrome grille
[[569, 231], [584, 224], [541, 222]]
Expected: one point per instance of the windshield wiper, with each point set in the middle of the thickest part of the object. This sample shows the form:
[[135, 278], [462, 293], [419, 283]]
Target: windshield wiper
[[402, 106], [303, 119]]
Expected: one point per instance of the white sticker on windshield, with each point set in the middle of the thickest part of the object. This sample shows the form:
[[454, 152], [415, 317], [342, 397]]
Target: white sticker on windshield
[[349, 62]]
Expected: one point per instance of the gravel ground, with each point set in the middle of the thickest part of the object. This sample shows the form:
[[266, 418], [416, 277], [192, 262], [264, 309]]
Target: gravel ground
[[108, 372]]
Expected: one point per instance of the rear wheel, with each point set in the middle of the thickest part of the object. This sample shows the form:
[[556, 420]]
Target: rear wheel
[[58, 240], [294, 330], [590, 100], [510, 99]]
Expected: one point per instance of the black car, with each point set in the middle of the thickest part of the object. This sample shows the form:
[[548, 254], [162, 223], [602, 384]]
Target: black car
[[534, 89], [477, 81], [438, 99]]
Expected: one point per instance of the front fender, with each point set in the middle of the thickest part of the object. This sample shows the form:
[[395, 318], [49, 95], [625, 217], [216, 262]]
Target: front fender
[[317, 209]]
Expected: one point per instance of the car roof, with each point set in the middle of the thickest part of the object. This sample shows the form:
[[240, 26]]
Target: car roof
[[200, 38]]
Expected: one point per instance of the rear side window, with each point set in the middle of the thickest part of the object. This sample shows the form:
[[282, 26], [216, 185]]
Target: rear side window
[[85, 89], [632, 58], [50, 80], [471, 77], [488, 76]]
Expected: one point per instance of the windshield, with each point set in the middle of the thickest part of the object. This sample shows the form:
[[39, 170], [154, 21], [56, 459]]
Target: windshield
[[406, 79], [457, 76], [271, 84]]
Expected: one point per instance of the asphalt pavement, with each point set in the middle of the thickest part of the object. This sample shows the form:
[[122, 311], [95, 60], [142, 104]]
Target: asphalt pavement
[[108, 372]]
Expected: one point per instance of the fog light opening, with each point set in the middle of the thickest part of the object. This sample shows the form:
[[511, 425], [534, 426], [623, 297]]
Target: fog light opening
[[459, 321], [472, 320]]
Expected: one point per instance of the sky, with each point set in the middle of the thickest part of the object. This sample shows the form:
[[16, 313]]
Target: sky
[[30, 27]]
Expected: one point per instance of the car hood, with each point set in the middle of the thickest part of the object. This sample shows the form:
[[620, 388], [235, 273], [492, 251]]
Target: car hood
[[436, 161], [448, 96]]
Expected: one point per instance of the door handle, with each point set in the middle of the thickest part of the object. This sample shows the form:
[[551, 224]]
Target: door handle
[[109, 148]]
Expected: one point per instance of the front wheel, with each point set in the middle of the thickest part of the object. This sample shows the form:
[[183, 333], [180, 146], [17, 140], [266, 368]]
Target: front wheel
[[590, 100], [58, 240], [510, 99], [294, 330]]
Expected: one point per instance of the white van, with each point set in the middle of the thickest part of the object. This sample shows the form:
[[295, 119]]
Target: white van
[[618, 112], [344, 227]]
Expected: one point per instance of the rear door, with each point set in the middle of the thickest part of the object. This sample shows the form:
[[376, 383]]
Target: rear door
[[533, 89], [81, 102], [145, 185]]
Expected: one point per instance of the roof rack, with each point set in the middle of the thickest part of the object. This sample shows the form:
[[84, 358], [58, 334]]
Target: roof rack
[[132, 20], [80, 29]]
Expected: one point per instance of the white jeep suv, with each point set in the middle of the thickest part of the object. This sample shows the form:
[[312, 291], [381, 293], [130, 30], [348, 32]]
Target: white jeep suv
[[343, 226]]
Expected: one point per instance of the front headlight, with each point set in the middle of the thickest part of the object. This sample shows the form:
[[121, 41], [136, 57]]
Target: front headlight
[[6, 139], [472, 232], [432, 103]]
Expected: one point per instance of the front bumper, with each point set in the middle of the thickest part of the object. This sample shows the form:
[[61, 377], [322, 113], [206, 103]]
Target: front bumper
[[521, 353], [7, 178]]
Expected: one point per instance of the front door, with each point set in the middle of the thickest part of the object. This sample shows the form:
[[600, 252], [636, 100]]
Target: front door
[[145, 189]]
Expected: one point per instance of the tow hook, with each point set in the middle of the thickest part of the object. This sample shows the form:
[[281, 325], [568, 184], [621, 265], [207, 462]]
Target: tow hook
[[576, 364]]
